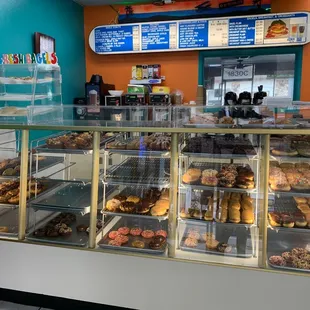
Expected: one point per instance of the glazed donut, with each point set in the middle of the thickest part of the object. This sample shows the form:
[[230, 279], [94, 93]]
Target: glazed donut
[[121, 239], [124, 231], [191, 243], [161, 233], [147, 234], [136, 231], [113, 234], [193, 235]]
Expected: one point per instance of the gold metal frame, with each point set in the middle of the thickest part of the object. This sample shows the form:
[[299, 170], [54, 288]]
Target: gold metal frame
[[265, 133]]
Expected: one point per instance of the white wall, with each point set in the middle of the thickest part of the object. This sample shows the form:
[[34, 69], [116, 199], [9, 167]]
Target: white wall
[[141, 283]]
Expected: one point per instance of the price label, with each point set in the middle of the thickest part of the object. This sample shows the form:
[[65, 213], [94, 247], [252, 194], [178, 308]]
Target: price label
[[238, 74]]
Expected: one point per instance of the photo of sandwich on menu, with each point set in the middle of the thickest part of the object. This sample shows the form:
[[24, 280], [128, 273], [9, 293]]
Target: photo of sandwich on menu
[[277, 29]]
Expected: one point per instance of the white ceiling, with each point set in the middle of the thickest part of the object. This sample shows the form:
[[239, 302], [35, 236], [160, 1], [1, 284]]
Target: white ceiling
[[110, 2]]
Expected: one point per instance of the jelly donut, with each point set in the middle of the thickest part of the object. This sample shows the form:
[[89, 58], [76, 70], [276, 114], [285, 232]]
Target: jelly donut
[[147, 234]]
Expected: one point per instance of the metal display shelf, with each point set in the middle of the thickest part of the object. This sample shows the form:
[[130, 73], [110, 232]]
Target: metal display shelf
[[147, 171], [204, 223], [289, 194], [217, 188], [141, 153], [220, 156], [144, 224], [79, 239], [68, 197], [148, 216], [287, 268], [289, 158]]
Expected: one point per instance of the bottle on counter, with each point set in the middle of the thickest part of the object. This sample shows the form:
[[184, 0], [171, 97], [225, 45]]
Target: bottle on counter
[[139, 72], [259, 96]]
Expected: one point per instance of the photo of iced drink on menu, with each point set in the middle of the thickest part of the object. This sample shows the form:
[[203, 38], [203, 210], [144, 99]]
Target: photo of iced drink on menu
[[294, 30]]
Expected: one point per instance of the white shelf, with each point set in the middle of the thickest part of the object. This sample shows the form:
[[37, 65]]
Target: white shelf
[[15, 81], [22, 97], [146, 82]]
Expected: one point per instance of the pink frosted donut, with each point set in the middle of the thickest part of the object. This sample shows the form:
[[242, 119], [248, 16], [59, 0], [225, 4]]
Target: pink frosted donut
[[161, 233], [136, 231], [124, 231], [113, 234], [148, 234], [121, 239]]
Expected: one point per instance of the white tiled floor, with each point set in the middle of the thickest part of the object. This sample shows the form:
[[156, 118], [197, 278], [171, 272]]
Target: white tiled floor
[[10, 306]]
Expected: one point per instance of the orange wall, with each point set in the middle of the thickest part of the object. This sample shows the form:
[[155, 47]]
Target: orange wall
[[180, 68]]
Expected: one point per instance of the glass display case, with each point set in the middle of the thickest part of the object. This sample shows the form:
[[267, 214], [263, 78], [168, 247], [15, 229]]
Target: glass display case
[[23, 86], [217, 193]]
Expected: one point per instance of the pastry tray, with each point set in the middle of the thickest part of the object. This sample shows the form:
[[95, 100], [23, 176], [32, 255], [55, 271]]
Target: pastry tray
[[201, 248], [287, 268], [203, 166], [206, 223], [286, 204], [148, 171], [44, 164], [136, 191], [67, 197], [139, 153], [291, 193], [210, 125], [45, 149], [144, 224], [79, 239]]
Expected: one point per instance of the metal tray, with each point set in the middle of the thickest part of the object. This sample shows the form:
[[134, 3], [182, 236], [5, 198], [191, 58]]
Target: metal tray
[[136, 191], [206, 223], [151, 171], [79, 239], [286, 268], [140, 153], [267, 126], [72, 197], [143, 224], [45, 149], [224, 156], [290, 193], [201, 248]]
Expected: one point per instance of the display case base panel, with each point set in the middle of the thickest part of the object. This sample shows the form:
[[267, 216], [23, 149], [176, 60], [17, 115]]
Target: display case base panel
[[79, 239], [144, 224], [201, 248]]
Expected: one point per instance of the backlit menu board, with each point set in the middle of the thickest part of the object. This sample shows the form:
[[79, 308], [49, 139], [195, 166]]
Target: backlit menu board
[[202, 34], [109, 39], [159, 36]]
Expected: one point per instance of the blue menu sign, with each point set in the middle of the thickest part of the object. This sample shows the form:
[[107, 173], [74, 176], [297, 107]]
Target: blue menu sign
[[200, 34], [159, 36], [241, 32], [193, 34], [114, 39]]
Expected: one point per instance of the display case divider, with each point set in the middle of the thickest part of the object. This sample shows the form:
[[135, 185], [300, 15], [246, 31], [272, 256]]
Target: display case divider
[[23, 186], [94, 190], [263, 223], [173, 210]]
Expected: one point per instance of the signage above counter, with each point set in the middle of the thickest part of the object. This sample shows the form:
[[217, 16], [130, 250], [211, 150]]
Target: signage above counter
[[199, 34]]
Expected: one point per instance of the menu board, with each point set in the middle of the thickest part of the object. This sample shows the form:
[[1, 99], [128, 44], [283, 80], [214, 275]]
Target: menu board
[[109, 39], [202, 34], [159, 36]]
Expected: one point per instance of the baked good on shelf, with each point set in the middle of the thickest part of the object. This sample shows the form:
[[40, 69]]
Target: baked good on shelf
[[133, 199], [136, 231], [5, 229], [144, 207], [300, 220], [193, 234], [221, 215], [162, 203], [191, 243], [299, 251], [284, 150], [147, 234], [247, 216], [277, 260], [184, 214], [197, 214], [192, 175], [300, 263], [300, 200], [304, 208], [234, 216], [302, 165], [164, 194], [288, 257], [224, 203], [275, 219], [124, 230], [138, 244], [287, 220], [209, 173], [114, 243], [157, 242], [121, 239], [283, 187], [287, 166], [128, 207], [113, 205], [113, 234], [226, 196], [234, 204], [208, 216], [300, 184], [303, 151], [212, 244], [161, 232], [120, 198], [246, 205], [224, 248], [274, 164], [158, 211], [207, 236], [65, 231]]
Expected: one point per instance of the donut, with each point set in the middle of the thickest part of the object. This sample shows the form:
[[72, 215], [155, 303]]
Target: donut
[[194, 235], [81, 228], [161, 233], [113, 234], [124, 231], [121, 239], [138, 244], [191, 243], [212, 244], [147, 234], [65, 231], [135, 231], [114, 243]]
